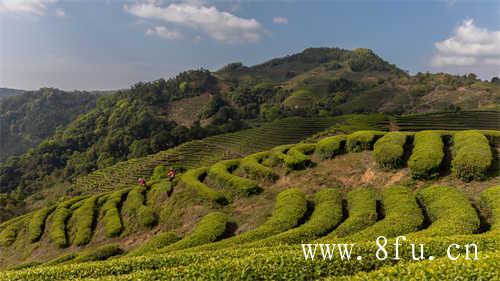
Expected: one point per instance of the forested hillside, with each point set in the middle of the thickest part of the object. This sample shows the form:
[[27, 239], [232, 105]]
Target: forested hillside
[[27, 118], [154, 116]]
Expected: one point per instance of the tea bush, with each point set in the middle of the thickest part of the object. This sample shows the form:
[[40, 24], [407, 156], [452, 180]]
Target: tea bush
[[427, 155], [388, 151], [472, 156]]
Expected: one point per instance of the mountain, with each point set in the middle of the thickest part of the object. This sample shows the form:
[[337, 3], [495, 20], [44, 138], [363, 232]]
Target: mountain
[[154, 116], [8, 92], [29, 117]]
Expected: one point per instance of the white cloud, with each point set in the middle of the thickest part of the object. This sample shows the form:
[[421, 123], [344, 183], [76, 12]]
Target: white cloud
[[25, 6], [280, 20], [163, 32], [60, 13], [468, 46], [221, 26]]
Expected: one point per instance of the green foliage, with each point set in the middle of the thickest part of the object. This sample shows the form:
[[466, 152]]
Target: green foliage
[[9, 234], [135, 209], [160, 172], [221, 174], [326, 215], [290, 207], [362, 140], [490, 201], [442, 269], [157, 242], [99, 254], [402, 216], [111, 213], [472, 156], [158, 191], [253, 167], [331, 146], [210, 228], [427, 155], [60, 218], [36, 226], [449, 211], [389, 150], [192, 179], [84, 218], [298, 156], [362, 209]]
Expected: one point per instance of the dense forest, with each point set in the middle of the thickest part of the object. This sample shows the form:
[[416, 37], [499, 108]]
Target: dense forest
[[154, 116], [27, 118]]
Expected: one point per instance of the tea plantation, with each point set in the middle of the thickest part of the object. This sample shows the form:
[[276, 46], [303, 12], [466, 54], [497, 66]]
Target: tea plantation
[[244, 218]]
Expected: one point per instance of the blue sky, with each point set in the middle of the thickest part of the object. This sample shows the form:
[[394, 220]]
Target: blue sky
[[114, 44]]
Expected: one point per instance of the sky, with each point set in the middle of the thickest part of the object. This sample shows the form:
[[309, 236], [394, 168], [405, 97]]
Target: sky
[[101, 45]]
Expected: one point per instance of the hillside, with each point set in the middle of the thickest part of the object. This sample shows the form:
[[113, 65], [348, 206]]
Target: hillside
[[8, 92], [389, 180], [152, 117], [29, 117]]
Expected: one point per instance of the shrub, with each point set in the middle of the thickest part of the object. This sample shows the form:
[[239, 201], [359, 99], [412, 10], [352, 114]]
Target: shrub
[[329, 147], [472, 156], [449, 211], [362, 140], [326, 215], [136, 210], [37, 223], [61, 259], [159, 241], [402, 215], [290, 207], [277, 155], [362, 209], [158, 191], [442, 269], [389, 150], [210, 228], [490, 200], [426, 156], [297, 156], [9, 234], [60, 217], [159, 172], [84, 218], [192, 179], [99, 254], [220, 173], [111, 214], [253, 167]]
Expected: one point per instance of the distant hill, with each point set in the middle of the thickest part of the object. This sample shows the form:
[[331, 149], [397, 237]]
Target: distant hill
[[28, 117], [155, 116], [7, 92]]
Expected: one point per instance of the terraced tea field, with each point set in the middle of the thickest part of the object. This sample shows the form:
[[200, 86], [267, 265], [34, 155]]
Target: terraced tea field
[[221, 236], [206, 151]]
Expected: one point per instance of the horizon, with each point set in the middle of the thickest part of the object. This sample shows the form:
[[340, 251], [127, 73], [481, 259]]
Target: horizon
[[115, 44]]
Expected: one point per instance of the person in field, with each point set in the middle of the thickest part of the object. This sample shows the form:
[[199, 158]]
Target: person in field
[[141, 181], [171, 174]]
